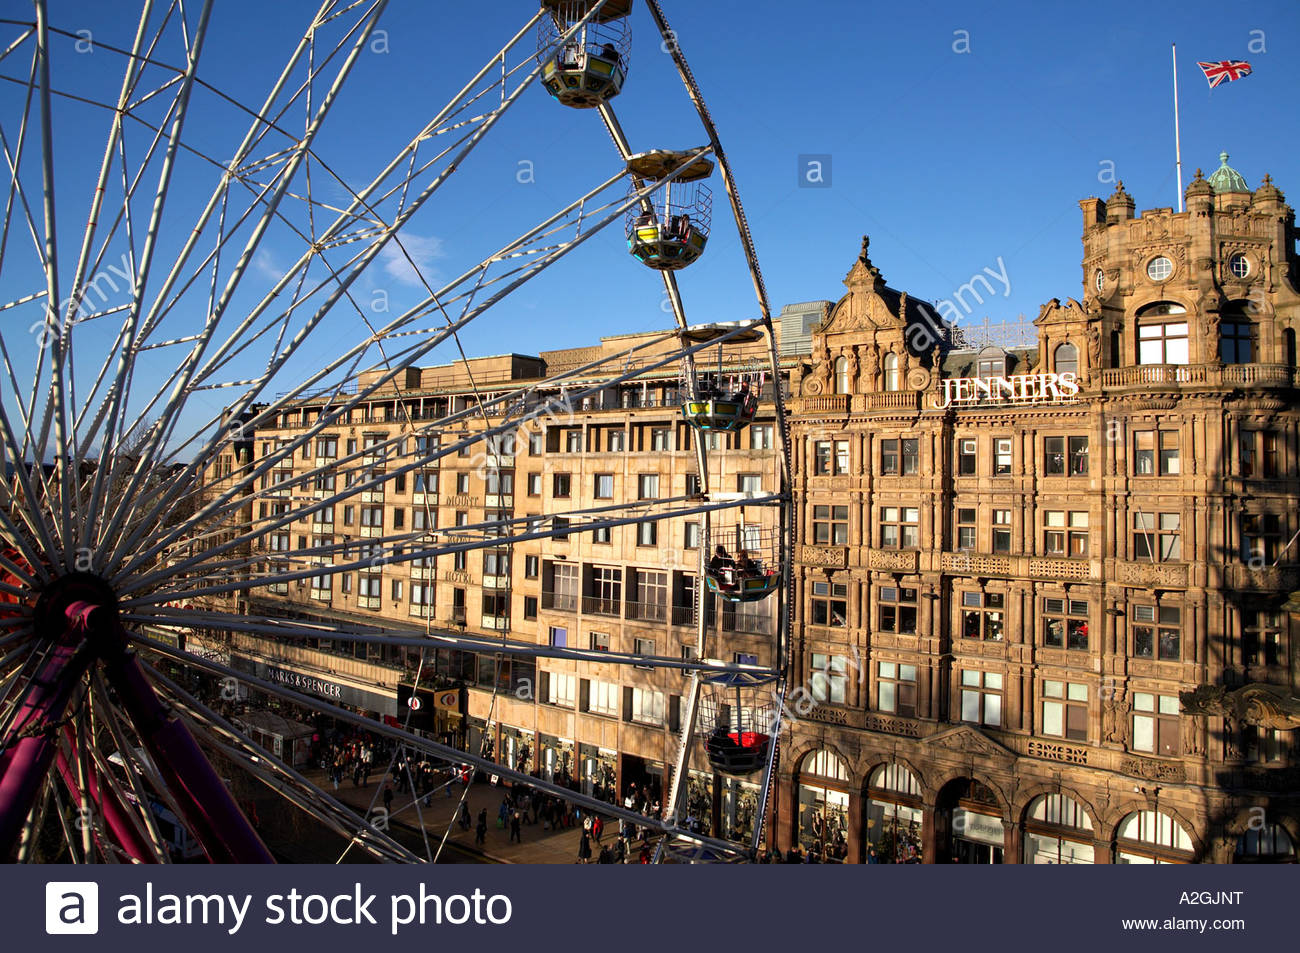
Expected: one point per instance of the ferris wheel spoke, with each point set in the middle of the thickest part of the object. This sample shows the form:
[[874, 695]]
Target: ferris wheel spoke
[[383, 379]]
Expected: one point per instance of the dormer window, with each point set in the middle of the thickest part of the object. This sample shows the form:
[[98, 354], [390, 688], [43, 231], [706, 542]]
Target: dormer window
[[1066, 359], [992, 362]]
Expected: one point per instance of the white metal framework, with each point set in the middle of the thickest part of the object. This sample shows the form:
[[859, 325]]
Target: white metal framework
[[181, 264]]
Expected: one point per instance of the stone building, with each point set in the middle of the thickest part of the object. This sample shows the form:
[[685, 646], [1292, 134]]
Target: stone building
[[1014, 562]]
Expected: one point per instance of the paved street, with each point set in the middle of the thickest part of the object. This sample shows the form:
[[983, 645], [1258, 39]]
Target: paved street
[[538, 846]]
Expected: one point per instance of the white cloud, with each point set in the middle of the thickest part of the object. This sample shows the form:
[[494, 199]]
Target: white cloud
[[415, 257]]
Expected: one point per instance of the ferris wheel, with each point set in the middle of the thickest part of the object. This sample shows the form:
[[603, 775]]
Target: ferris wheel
[[186, 321]]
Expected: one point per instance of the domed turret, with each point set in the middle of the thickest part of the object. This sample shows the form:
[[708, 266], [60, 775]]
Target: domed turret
[[1226, 179], [1268, 196], [1199, 189]]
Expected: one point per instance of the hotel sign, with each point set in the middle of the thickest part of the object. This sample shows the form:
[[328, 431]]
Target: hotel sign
[[1022, 389]]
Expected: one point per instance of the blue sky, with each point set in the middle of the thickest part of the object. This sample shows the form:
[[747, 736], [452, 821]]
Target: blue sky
[[960, 137]]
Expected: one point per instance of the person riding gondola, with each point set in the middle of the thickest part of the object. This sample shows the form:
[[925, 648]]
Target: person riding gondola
[[722, 566], [745, 567]]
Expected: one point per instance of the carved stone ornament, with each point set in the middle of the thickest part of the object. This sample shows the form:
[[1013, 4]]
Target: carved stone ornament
[[967, 739], [1267, 706]]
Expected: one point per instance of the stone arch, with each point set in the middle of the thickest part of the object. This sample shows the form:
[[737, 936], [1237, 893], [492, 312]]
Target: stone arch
[[1131, 806], [1026, 797]]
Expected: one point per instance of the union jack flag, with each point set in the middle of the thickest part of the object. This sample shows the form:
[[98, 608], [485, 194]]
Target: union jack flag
[[1224, 70]]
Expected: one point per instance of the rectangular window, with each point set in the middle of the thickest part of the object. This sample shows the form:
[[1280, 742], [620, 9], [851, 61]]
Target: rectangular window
[[890, 464], [604, 489], [600, 641], [530, 567], [691, 535], [1163, 343], [617, 441], [647, 706], [559, 637], [1065, 456], [534, 484], [647, 486], [830, 604], [897, 609], [1065, 533], [828, 682], [1155, 724], [1065, 623], [1155, 453], [981, 698], [1261, 538], [981, 615], [573, 441], [1001, 456], [1001, 531], [1261, 637], [831, 525], [327, 446], [750, 484], [560, 485], [561, 689], [661, 438], [896, 688], [965, 528], [966, 456], [530, 607], [1065, 710], [900, 527], [603, 698], [647, 534], [760, 437], [1156, 537], [831, 458], [1157, 632], [645, 647]]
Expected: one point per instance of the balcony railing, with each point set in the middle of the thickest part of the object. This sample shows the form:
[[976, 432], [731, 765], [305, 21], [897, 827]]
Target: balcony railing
[[600, 605], [648, 611], [455, 616], [1169, 375], [560, 601], [763, 624]]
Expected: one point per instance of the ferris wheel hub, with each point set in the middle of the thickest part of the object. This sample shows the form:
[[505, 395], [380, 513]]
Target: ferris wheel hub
[[75, 605]]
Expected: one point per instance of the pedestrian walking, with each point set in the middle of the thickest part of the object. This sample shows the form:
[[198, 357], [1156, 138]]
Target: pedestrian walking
[[597, 827], [464, 816], [584, 849], [480, 831], [388, 799], [514, 828]]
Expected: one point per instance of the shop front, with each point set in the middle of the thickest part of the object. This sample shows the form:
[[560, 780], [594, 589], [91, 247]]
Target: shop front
[[643, 781], [599, 772], [968, 824], [556, 756], [517, 748], [739, 809], [895, 814], [823, 796]]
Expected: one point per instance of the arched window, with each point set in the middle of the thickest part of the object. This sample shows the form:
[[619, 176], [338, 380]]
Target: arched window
[[824, 806], [894, 814], [841, 375], [1265, 845], [1066, 359], [890, 367], [1162, 334], [1237, 342], [1152, 837], [1057, 831]]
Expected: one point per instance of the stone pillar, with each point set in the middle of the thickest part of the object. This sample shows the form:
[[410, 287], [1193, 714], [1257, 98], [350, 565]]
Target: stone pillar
[[1101, 851], [1011, 842], [857, 848], [929, 838]]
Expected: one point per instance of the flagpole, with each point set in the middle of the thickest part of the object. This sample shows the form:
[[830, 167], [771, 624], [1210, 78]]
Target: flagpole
[[1178, 148]]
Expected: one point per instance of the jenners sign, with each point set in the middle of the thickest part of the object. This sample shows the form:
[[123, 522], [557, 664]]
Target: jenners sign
[[1026, 388]]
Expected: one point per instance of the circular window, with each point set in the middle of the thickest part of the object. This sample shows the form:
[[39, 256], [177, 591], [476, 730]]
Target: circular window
[[1099, 280], [1239, 265], [1158, 269]]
